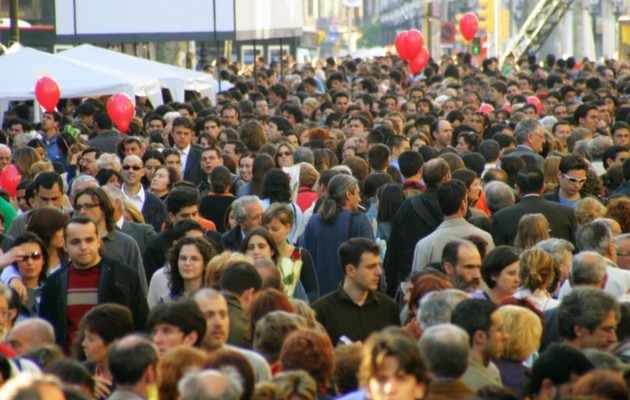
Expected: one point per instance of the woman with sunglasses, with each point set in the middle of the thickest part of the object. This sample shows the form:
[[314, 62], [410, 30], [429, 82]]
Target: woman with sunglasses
[[31, 266], [284, 155]]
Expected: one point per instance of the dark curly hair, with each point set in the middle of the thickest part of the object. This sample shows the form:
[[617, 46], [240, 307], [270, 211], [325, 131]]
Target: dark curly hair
[[175, 280], [277, 186]]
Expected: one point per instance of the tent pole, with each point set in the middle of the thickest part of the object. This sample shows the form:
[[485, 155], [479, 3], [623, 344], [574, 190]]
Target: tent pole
[[281, 69], [219, 64]]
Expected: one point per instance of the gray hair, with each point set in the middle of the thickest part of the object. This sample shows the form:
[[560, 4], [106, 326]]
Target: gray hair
[[619, 239], [597, 146], [446, 348], [224, 384], [304, 154], [498, 196], [207, 293], [22, 139], [594, 236], [588, 268], [81, 182], [586, 307], [560, 249], [43, 332], [108, 160], [436, 307], [603, 360], [524, 129], [338, 186], [238, 207], [115, 194]]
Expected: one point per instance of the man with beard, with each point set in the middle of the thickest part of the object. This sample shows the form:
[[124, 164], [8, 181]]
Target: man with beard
[[462, 263], [214, 307], [484, 325]]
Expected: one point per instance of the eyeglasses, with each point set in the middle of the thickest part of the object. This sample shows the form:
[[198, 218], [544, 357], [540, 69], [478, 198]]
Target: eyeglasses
[[35, 256], [134, 167], [86, 206], [284, 154], [574, 180]]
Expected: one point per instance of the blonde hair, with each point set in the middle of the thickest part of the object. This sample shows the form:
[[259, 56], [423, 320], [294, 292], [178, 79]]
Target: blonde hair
[[532, 228], [538, 269], [524, 332], [588, 210], [41, 166], [551, 167], [304, 310], [220, 263], [134, 212]]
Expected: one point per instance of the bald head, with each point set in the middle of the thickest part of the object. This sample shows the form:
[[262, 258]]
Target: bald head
[[30, 334]]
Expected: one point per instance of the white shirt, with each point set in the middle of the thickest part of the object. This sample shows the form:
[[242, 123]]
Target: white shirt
[[136, 199], [184, 157]]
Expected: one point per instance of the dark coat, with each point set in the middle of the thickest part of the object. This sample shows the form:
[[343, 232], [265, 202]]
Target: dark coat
[[192, 170], [118, 284], [141, 233], [416, 218], [153, 211], [232, 239], [562, 221]]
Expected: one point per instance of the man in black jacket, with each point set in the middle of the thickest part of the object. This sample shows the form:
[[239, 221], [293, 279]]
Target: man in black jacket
[[86, 281], [530, 184], [417, 217]]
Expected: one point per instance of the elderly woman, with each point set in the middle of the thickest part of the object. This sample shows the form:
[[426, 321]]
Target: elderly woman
[[336, 221], [562, 251]]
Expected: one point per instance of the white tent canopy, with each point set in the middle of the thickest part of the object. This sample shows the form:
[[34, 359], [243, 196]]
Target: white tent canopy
[[176, 79], [21, 69]]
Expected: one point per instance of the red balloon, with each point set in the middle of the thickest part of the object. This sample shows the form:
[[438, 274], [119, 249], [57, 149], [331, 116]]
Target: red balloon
[[420, 62], [121, 110], [469, 25], [399, 41], [47, 93], [486, 108], [413, 43], [536, 102], [10, 179]]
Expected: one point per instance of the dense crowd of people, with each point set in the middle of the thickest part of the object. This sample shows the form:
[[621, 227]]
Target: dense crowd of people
[[343, 230]]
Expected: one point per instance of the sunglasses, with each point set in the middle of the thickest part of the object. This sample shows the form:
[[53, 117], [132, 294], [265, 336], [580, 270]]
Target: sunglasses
[[134, 167], [35, 256], [573, 180]]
